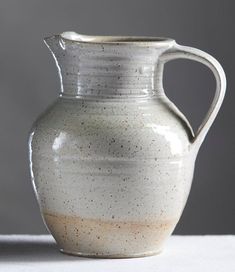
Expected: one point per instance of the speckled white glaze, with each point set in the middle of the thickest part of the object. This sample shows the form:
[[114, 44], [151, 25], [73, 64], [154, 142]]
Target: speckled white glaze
[[112, 159]]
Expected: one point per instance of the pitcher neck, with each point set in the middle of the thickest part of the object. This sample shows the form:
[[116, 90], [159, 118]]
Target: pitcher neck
[[107, 70]]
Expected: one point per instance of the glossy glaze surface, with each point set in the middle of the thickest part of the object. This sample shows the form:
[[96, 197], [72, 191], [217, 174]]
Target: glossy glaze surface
[[112, 160]]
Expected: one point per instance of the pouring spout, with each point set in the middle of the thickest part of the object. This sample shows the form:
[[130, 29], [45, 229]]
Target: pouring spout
[[65, 52], [54, 43], [60, 40]]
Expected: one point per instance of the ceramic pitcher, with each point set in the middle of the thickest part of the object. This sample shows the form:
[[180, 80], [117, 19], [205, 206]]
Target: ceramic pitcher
[[112, 160]]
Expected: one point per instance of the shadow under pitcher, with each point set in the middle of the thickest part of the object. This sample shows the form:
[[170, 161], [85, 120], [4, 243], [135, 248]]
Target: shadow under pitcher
[[112, 160]]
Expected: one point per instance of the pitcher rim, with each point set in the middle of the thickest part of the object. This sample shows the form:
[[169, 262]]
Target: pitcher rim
[[73, 37]]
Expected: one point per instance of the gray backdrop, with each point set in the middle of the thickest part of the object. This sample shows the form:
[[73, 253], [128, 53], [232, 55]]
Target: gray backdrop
[[29, 83]]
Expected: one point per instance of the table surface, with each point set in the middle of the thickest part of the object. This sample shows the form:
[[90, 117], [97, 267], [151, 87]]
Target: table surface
[[182, 253]]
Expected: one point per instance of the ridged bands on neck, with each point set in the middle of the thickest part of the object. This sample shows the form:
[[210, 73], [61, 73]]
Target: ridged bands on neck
[[106, 69]]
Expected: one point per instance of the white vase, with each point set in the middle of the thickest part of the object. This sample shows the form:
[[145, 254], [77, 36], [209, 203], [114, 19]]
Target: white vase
[[112, 159]]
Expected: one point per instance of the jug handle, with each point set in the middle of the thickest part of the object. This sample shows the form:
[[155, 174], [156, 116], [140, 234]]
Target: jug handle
[[185, 52]]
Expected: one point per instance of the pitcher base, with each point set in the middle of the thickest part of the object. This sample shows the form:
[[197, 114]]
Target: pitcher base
[[111, 256]]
